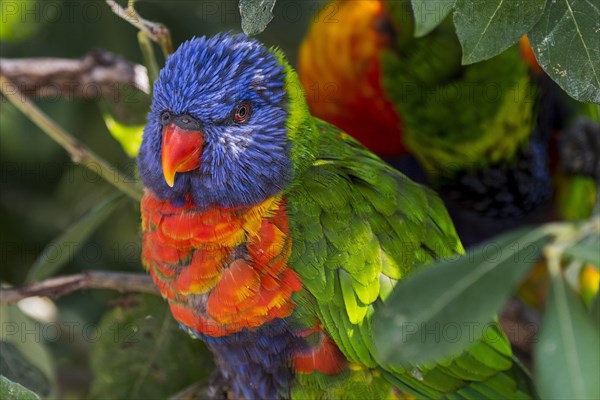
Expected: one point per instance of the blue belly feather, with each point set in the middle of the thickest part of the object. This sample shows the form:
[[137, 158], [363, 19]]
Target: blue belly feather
[[257, 362]]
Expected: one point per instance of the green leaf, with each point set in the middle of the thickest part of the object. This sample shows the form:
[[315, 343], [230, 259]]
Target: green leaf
[[16, 26], [147, 49], [256, 15], [586, 250], [566, 355], [487, 28], [129, 136], [24, 352], [444, 308], [429, 14], [17, 370], [565, 43], [144, 354], [125, 115], [10, 390], [595, 309], [61, 250]]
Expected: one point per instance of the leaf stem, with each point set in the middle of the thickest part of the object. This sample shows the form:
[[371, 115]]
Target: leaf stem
[[79, 153], [149, 57], [566, 234]]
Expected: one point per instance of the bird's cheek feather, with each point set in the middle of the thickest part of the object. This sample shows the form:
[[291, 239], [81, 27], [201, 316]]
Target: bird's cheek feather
[[181, 150]]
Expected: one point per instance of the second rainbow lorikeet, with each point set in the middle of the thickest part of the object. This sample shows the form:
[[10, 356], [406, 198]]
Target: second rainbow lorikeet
[[275, 237], [481, 133]]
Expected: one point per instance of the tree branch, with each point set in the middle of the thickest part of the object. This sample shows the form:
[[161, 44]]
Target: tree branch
[[156, 31], [79, 153], [56, 287], [99, 73]]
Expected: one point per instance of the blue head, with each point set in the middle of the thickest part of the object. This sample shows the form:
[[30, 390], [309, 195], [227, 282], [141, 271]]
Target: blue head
[[217, 128]]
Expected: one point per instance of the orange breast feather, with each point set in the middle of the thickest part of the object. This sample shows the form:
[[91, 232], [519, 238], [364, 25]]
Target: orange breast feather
[[220, 269]]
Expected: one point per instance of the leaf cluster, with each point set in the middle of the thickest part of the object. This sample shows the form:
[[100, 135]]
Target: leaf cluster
[[446, 307]]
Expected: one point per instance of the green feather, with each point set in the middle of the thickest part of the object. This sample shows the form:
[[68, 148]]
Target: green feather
[[356, 309]]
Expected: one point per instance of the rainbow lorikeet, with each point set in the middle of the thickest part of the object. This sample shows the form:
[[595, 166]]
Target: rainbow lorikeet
[[275, 236], [480, 132]]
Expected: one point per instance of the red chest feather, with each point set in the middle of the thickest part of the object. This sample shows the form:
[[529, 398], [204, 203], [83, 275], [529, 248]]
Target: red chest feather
[[221, 269]]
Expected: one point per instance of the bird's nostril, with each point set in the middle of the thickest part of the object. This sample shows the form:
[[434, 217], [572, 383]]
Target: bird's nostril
[[165, 117]]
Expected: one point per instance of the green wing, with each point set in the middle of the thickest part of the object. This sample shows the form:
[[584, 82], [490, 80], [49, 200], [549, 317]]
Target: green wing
[[358, 226]]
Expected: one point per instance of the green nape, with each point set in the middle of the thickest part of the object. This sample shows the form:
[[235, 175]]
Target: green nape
[[301, 130]]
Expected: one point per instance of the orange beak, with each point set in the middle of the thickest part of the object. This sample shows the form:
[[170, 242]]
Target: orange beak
[[181, 151]]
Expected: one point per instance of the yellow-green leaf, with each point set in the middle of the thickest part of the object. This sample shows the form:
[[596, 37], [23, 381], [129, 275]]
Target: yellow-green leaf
[[129, 136], [18, 23]]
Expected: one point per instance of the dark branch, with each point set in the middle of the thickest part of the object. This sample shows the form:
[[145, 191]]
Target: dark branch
[[99, 73], [56, 287]]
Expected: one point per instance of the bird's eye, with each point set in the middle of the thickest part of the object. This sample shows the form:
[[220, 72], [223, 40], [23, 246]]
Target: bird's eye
[[242, 113], [165, 117]]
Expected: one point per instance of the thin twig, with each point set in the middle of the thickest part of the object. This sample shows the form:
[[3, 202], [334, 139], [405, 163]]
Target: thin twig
[[158, 32], [148, 53], [79, 153], [59, 286], [99, 73]]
